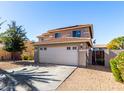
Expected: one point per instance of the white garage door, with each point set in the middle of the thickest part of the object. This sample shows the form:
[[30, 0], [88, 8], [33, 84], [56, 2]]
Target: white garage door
[[59, 55]]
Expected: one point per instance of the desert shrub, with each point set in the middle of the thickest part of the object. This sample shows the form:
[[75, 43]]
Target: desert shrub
[[117, 67]]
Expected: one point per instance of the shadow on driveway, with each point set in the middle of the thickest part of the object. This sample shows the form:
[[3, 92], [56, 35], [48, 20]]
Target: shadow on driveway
[[23, 77]]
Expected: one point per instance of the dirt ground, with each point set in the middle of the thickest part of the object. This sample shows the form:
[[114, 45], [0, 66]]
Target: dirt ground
[[91, 78], [11, 64], [8, 65]]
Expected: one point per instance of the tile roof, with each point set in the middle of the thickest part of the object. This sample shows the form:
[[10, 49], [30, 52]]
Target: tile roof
[[64, 40]]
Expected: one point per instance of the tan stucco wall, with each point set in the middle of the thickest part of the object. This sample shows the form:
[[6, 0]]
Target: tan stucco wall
[[82, 58], [90, 57], [109, 54], [83, 55]]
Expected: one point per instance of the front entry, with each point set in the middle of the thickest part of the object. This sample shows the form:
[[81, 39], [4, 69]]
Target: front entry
[[98, 57]]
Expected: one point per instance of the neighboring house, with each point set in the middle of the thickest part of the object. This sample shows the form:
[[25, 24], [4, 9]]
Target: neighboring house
[[4, 55], [68, 45]]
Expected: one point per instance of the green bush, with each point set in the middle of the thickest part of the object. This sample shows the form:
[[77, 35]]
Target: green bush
[[115, 70], [117, 67]]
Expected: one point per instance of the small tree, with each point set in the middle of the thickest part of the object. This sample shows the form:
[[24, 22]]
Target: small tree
[[117, 43], [14, 38]]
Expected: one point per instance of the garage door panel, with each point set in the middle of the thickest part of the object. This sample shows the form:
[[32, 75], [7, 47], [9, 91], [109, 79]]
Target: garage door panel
[[59, 55]]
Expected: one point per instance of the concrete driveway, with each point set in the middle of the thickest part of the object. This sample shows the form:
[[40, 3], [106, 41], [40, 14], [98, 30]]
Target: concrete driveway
[[45, 77]]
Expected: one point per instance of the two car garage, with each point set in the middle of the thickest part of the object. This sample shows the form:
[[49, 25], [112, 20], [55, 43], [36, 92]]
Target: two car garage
[[67, 55]]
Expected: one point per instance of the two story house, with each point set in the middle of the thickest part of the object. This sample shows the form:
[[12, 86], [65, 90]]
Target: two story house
[[67, 45]]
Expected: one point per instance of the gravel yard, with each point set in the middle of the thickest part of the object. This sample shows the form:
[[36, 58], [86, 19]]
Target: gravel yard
[[8, 65], [91, 78], [16, 64]]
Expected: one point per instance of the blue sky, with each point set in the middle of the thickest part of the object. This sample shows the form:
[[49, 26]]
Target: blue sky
[[38, 17]]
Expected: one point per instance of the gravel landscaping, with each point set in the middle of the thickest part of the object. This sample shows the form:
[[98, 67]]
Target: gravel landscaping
[[91, 78]]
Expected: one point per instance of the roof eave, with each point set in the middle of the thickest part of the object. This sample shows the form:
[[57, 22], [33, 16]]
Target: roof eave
[[90, 43]]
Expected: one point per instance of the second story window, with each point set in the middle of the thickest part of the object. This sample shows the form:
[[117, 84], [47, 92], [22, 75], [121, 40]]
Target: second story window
[[57, 35], [76, 33]]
